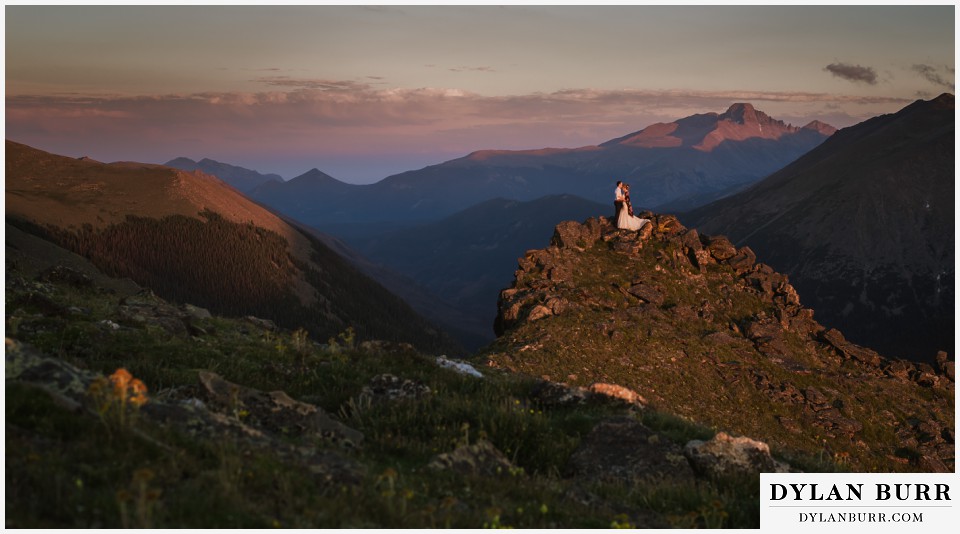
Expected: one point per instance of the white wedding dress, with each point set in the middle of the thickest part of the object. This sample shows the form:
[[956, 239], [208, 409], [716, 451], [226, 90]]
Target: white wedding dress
[[630, 222]]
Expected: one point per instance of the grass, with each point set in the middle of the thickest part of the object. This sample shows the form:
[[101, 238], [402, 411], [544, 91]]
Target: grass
[[66, 470]]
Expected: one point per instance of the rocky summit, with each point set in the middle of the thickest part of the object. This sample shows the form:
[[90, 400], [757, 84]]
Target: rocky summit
[[701, 329]]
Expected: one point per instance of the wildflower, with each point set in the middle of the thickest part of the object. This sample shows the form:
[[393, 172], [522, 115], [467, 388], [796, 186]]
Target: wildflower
[[117, 396]]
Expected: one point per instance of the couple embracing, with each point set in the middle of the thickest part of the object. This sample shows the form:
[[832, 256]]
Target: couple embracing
[[624, 210]]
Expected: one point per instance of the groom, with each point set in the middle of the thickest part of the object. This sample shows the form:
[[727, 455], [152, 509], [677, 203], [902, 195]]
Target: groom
[[618, 200]]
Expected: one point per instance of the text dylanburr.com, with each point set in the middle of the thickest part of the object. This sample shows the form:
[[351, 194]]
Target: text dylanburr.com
[[874, 502]]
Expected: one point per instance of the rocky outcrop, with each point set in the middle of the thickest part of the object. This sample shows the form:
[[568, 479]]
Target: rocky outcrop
[[147, 309], [275, 412], [700, 327], [387, 387], [724, 456], [479, 459], [553, 394]]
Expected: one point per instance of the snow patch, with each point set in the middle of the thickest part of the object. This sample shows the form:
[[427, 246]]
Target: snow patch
[[458, 366]]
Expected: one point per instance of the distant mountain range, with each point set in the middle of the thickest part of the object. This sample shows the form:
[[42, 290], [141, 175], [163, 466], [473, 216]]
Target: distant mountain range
[[244, 180], [191, 238], [681, 164], [864, 227], [465, 259]]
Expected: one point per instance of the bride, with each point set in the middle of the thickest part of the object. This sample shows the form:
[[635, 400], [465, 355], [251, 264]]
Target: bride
[[626, 220]]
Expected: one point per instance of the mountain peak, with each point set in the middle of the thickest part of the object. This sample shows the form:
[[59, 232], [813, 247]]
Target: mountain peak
[[821, 127], [706, 131], [742, 113], [181, 163], [315, 177]]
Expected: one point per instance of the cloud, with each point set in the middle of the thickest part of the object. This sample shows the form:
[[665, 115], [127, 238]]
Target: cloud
[[931, 75], [471, 69], [318, 119], [314, 83], [853, 73]]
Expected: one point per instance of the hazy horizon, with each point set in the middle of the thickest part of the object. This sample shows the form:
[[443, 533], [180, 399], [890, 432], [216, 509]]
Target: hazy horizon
[[363, 92]]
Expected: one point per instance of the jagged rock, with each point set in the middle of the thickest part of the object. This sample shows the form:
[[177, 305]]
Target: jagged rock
[[949, 370], [539, 312], [721, 248], [691, 240], [743, 261], [328, 467], [275, 412], [571, 234], [148, 309], [387, 387], [815, 398], [62, 380], [263, 324], [482, 458], [668, 225], [553, 394], [945, 367], [701, 259], [196, 312], [645, 232], [735, 321], [899, 369], [850, 350], [624, 449], [509, 315], [725, 455], [620, 393], [62, 274], [647, 293], [557, 305]]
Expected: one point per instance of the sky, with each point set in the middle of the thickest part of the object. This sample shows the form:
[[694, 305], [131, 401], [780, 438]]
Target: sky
[[363, 92]]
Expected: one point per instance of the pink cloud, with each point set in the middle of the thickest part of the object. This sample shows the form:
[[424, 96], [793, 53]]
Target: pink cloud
[[317, 118]]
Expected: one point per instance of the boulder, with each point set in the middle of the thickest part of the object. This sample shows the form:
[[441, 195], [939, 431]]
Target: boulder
[[721, 248], [146, 309], [668, 225], [945, 367], [701, 258], [571, 234], [618, 393], [275, 412], [691, 240], [62, 274], [848, 350], [263, 324], [743, 261], [647, 293], [549, 393], [480, 459], [725, 455], [539, 312], [387, 387]]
